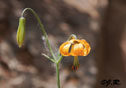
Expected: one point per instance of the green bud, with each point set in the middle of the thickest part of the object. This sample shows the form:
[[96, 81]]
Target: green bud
[[21, 31]]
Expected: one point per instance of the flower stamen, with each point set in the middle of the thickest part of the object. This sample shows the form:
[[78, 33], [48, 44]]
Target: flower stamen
[[76, 63]]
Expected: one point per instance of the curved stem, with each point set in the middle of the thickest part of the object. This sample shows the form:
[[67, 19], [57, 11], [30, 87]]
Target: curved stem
[[57, 75], [42, 28], [72, 36]]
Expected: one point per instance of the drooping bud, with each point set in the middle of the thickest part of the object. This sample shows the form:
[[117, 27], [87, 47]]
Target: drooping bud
[[21, 31]]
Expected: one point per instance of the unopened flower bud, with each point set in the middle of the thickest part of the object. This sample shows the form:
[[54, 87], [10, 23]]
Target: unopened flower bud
[[21, 31]]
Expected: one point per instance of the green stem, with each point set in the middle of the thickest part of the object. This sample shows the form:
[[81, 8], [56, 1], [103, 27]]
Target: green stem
[[48, 44], [57, 75], [42, 28], [59, 59], [72, 36]]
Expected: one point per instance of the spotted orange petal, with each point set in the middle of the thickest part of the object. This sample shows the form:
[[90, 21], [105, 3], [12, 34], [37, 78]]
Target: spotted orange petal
[[87, 47], [77, 50], [64, 48]]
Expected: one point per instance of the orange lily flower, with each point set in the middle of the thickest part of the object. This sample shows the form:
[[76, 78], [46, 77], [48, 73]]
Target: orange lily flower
[[75, 47]]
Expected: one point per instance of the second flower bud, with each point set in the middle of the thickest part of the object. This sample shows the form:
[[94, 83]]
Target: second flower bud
[[21, 31]]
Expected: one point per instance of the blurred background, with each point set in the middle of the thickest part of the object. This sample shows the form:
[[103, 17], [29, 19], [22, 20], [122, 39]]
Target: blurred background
[[101, 22]]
